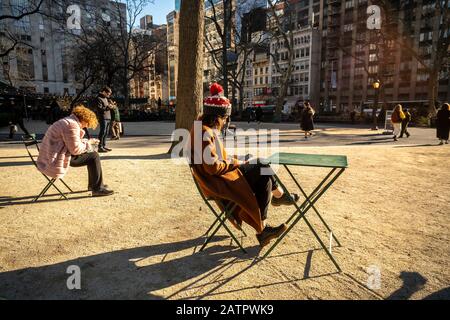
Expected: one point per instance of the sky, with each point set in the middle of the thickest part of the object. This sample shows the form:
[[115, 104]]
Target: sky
[[159, 10]]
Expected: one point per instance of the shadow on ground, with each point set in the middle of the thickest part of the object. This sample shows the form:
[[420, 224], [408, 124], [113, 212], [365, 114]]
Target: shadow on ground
[[414, 282], [127, 274]]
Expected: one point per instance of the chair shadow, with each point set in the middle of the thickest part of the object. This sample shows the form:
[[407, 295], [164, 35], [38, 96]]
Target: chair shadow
[[10, 201], [126, 274], [254, 254]]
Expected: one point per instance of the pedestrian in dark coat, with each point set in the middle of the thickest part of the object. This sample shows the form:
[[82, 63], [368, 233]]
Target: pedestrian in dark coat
[[18, 113], [405, 123], [103, 110], [307, 119], [443, 123], [259, 114]]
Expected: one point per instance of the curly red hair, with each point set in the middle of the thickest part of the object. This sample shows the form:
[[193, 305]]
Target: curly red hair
[[85, 115]]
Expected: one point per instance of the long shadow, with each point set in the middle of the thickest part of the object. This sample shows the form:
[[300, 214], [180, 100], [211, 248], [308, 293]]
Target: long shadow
[[254, 252], [308, 264], [443, 294], [412, 282], [363, 143], [418, 146], [16, 164], [17, 157], [126, 274], [10, 201], [163, 156]]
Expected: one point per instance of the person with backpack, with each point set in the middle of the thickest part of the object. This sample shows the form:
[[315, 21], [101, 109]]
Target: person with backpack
[[405, 123], [397, 118]]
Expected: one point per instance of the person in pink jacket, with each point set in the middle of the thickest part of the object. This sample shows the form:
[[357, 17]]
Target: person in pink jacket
[[64, 146]]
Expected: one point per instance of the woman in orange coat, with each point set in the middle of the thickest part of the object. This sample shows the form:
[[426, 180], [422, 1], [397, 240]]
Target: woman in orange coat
[[233, 180]]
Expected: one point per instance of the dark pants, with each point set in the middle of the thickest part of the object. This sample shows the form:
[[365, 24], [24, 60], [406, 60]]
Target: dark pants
[[19, 122], [92, 161], [405, 125], [261, 185], [104, 131]]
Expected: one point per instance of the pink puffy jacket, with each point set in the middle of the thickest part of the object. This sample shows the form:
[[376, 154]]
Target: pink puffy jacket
[[63, 140]]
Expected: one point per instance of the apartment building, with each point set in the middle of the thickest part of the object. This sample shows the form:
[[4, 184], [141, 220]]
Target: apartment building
[[43, 64]]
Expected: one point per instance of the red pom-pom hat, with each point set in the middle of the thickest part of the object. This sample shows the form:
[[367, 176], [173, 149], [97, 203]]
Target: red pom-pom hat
[[217, 104]]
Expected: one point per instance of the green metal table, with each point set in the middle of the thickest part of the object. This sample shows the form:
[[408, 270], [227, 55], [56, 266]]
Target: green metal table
[[337, 165]]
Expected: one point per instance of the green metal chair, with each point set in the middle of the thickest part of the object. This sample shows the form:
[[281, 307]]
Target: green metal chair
[[221, 217]]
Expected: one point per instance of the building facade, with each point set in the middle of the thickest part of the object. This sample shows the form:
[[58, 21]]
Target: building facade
[[353, 57], [42, 62], [304, 81]]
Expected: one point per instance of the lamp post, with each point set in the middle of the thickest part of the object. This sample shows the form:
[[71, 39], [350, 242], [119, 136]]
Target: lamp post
[[376, 86]]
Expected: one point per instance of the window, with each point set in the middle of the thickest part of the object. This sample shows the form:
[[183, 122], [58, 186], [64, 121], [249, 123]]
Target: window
[[373, 69], [349, 4]]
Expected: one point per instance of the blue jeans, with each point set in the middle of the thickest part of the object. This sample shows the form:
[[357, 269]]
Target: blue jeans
[[104, 130]]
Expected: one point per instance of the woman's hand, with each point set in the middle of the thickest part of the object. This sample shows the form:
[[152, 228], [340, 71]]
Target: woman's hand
[[94, 142]]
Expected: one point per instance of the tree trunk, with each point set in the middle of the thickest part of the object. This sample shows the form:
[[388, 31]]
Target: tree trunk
[[432, 93], [190, 73], [241, 99], [283, 92]]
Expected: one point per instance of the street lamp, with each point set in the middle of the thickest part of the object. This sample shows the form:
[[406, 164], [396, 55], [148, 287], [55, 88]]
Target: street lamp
[[376, 86]]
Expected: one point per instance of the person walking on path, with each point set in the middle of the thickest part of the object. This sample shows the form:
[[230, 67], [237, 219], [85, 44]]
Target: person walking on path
[[397, 118], [405, 123], [443, 124], [307, 119], [18, 114], [103, 109], [116, 125], [259, 114]]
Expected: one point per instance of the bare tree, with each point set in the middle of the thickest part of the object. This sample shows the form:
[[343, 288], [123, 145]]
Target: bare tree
[[222, 19], [108, 49], [9, 40], [280, 28], [233, 68], [395, 34]]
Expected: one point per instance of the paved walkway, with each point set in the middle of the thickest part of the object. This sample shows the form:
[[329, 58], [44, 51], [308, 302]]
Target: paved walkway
[[146, 134]]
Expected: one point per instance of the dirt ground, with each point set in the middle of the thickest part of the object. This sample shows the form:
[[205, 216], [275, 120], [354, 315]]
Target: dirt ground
[[390, 210]]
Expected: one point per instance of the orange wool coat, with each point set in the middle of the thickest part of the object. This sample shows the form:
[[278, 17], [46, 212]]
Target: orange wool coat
[[222, 179]]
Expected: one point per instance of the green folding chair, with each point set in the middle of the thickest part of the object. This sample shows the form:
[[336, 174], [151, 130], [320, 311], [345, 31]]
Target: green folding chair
[[29, 142], [222, 216]]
